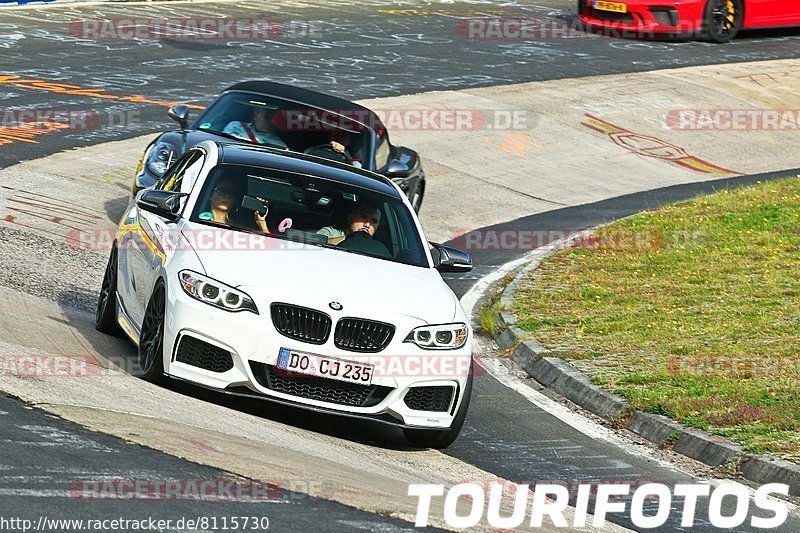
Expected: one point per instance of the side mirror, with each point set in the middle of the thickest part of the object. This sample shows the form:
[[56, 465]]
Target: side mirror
[[452, 259], [162, 203], [397, 169], [180, 114]]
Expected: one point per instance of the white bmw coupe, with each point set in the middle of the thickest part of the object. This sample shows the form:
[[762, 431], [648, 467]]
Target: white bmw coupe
[[292, 278]]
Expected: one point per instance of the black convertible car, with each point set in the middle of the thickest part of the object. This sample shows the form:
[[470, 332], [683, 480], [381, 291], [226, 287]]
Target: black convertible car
[[292, 118]]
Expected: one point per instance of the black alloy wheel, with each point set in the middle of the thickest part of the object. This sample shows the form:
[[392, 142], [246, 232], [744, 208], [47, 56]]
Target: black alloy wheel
[[151, 340], [105, 319], [724, 19]]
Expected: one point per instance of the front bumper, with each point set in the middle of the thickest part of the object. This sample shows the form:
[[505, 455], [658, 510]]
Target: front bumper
[[402, 371], [645, 18]]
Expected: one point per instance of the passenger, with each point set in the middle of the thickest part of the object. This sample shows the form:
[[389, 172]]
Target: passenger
[[362, 217], [225, 199], [260, 130]]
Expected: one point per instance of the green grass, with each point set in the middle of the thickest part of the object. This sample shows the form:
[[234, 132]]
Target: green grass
[[487, 313], [691, 311]]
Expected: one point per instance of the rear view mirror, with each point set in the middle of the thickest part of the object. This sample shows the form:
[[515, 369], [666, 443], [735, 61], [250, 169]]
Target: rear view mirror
[[165, 204], [180, 114], [397, 169]]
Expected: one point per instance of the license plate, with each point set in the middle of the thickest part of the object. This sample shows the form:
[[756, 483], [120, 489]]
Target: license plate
[[325, 367], [616, 7]]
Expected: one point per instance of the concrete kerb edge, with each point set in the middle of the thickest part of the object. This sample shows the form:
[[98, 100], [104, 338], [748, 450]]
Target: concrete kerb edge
[[559, 376]]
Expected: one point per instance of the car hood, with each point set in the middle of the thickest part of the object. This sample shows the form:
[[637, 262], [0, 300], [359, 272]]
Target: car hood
[[313, 276]]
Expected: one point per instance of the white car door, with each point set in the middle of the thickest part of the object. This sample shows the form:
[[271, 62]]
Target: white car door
[[147, 251]]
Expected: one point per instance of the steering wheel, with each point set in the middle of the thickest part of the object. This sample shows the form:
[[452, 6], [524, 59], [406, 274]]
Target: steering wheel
[[361, 241], [327, 151]]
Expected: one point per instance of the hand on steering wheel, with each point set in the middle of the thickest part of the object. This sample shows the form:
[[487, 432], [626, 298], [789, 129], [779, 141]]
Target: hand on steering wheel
[[331, 150]]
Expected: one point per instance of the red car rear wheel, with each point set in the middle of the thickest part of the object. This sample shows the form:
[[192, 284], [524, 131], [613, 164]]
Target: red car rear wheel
[[723, 19]]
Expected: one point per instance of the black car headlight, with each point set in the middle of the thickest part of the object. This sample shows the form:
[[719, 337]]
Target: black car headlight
[[443, 337], [160, 158], [213, 292]]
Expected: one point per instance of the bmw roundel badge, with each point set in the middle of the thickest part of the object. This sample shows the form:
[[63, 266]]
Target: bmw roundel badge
[[336, 306]]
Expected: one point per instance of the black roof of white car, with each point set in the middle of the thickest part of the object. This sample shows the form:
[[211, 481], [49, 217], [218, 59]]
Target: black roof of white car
[[274, 158]]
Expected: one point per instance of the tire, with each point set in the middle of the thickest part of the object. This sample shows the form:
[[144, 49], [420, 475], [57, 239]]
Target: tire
[[440, 439], [105, 319], [723, 19], [150, 361]]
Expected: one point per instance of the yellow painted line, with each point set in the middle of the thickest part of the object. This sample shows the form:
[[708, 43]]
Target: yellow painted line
[[75, 90], [27, 131]]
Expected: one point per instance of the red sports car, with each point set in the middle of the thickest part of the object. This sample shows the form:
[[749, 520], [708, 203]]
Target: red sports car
[[718, 20]]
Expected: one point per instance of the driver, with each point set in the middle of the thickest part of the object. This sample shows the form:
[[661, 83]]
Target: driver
[[339, 141], [362, 217], [260, 130]]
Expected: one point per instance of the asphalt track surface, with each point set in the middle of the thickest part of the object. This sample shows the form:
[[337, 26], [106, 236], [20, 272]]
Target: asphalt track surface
[[53, 470], [362, 51], [345, 47]]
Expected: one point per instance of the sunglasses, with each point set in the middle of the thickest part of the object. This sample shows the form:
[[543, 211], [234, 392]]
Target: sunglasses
[[225, 191]]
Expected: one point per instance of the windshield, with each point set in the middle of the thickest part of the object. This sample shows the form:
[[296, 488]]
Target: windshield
[[277, 123], [310, 209]]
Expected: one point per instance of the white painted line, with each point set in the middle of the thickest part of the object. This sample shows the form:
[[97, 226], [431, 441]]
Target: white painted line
[[65, 438], [366, 525], [584, 425], [36, 493]]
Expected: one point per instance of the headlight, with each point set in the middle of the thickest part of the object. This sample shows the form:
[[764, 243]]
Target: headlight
[[444, 337], [214, 293], [161, 157]]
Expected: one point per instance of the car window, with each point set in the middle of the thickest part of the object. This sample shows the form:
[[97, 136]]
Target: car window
[[286, 124], [382, 152], [311, 209]]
